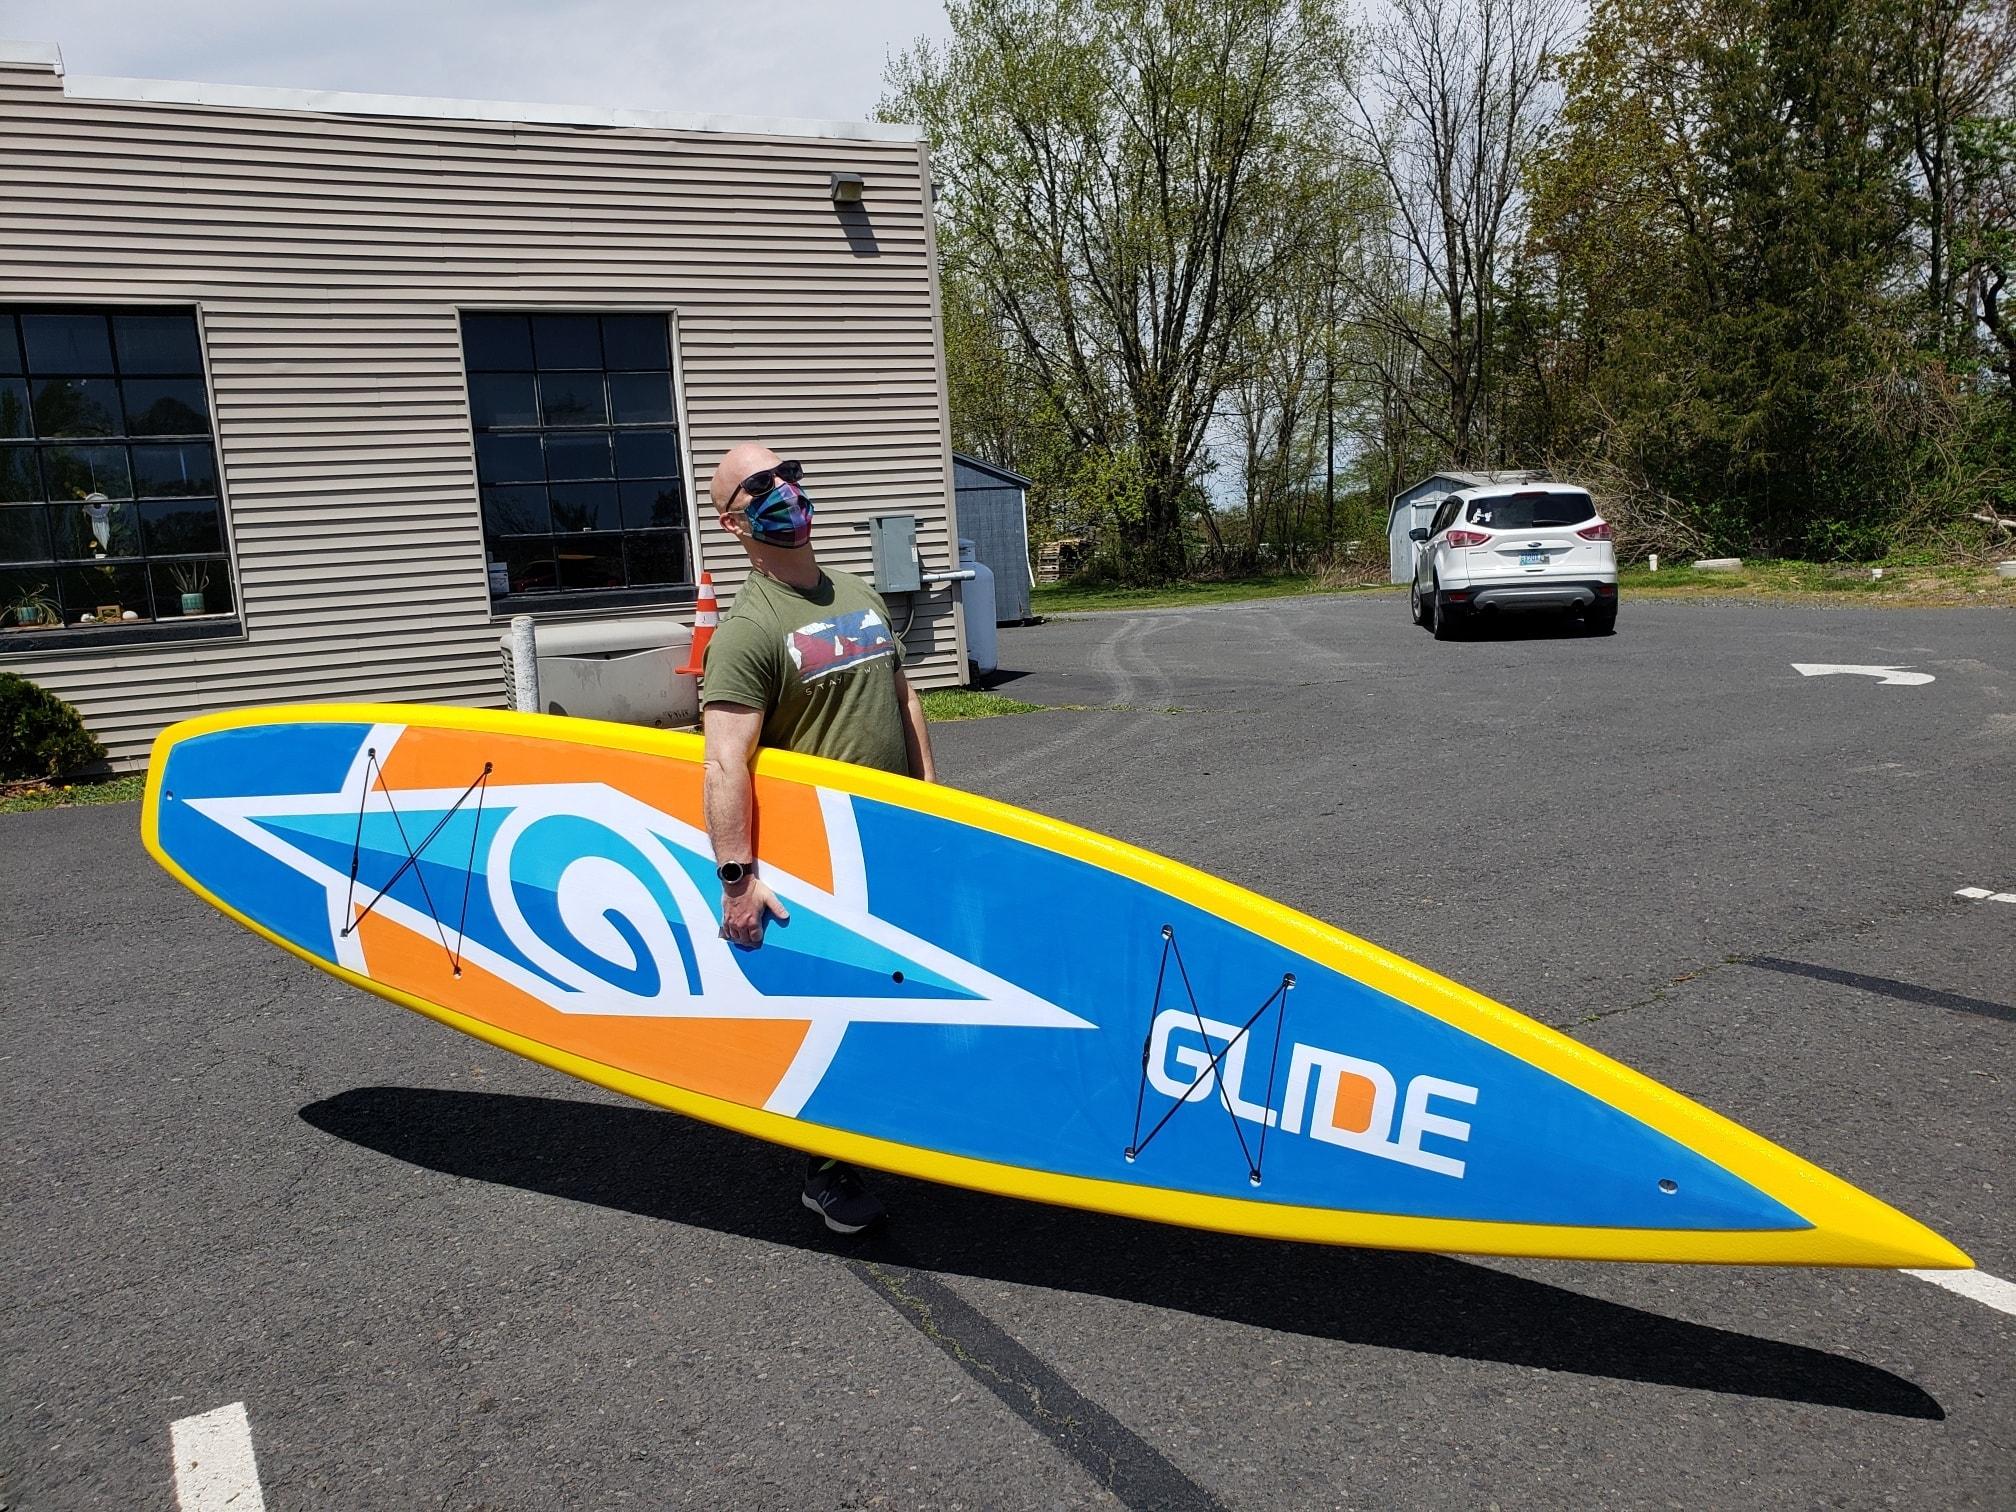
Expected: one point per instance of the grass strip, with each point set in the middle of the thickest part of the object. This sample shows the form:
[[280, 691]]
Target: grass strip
[[943, 705], [1902, 585], [74, 795], [1075, 598]]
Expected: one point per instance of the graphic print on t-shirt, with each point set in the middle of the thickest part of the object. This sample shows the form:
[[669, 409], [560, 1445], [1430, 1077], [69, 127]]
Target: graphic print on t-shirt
[[834, 645]]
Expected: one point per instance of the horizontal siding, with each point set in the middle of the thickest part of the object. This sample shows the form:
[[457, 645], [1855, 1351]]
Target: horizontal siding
[[329, 255]]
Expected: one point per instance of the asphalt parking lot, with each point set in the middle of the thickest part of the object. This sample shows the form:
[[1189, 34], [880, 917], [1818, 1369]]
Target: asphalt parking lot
[[439, 1276]]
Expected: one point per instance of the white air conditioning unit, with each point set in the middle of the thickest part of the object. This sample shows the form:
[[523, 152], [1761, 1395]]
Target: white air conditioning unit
[[625, 671]]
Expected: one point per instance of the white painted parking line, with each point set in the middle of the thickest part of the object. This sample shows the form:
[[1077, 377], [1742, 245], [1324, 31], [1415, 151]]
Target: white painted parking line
[[1983, 895], [1989, 1291], [214, 1468], [1891, 677]]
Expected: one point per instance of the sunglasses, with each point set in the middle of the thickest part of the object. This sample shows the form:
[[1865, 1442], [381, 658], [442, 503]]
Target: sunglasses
[[758, 484]]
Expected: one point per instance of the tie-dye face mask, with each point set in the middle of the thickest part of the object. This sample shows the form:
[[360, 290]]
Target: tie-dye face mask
[[778, 512], [782, 517]]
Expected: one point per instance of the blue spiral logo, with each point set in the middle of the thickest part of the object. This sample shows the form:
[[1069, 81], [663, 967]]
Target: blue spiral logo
[[589, 896]]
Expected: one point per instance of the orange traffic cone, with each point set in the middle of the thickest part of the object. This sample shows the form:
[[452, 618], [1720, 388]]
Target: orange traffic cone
[[706, 615]]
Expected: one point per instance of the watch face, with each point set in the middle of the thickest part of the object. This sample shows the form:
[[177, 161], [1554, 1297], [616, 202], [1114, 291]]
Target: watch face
[[732, 871]]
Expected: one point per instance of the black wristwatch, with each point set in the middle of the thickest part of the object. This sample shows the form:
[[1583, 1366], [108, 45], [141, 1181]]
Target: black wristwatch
[[731, 872]]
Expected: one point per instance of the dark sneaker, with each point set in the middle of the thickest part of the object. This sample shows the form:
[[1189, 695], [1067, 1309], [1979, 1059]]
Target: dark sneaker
[[836, 1194]]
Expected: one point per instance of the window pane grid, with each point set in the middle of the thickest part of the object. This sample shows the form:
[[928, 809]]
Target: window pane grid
[[109, 505], [577, 458]]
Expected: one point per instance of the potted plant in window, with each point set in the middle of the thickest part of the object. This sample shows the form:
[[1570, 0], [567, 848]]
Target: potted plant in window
[[34, 607], [191, 579]]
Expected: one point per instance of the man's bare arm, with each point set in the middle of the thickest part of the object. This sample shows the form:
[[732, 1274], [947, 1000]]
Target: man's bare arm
[[732, 731], [916, 734]]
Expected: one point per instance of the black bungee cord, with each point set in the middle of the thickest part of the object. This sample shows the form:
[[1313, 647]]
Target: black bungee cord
[[374, 775], [1254, 1160]]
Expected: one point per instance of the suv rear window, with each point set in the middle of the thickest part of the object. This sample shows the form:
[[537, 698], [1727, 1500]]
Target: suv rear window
[[1527, 510]]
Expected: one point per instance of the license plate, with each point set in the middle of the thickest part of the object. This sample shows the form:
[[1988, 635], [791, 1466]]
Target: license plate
[[1532, 559]]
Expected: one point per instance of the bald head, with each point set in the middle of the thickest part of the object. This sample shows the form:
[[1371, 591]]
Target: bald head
[[741, 461]]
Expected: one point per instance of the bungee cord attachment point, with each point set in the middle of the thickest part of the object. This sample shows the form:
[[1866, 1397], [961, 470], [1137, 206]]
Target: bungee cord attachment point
[[1255, 1154], [374, 781]]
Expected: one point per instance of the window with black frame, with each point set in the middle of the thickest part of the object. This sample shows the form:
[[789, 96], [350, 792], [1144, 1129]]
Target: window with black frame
[[577, 456], [110, 519]]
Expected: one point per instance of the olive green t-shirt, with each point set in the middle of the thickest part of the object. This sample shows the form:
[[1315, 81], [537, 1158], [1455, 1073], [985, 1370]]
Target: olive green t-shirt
[[821, 663]]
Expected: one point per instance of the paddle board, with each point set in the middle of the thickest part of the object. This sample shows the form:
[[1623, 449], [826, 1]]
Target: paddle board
[[965, 992]]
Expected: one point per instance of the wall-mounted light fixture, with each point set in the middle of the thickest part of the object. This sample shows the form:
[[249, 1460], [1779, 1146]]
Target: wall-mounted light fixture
[[846, 188]]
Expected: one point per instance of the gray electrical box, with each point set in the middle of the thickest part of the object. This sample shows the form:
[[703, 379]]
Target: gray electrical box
[[893, 541]]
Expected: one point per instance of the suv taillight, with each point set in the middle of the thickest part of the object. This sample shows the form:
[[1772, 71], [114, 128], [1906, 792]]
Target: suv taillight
[[1597, 532], [1466, 538]]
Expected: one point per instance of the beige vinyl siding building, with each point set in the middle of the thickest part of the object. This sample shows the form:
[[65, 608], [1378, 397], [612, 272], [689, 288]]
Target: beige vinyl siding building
[[329, 248]]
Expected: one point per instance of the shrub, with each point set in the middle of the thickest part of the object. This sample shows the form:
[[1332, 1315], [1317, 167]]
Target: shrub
[[40, 735]]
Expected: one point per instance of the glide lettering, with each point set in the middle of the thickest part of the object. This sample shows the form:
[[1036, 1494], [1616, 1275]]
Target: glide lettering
[[1344, 1099]]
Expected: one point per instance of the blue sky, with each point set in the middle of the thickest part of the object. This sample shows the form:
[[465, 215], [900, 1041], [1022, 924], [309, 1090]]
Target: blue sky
[[813, 58]]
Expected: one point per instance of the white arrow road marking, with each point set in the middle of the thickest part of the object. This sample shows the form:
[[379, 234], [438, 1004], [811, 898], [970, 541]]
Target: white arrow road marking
[[1983, 895], [1890, 677], [214, 1468], [1990, 1291]]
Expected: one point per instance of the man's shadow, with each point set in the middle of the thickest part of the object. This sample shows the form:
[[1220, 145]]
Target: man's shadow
[[659, 1165]]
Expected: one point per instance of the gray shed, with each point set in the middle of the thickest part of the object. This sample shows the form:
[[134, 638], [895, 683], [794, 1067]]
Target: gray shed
[[993, 509], [1416, 505]]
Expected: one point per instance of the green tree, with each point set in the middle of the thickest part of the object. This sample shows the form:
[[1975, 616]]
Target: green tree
[[1445, 116], [1297, 385], [1986, 233], [1953, 69], [1123, 182], [1726, 229]]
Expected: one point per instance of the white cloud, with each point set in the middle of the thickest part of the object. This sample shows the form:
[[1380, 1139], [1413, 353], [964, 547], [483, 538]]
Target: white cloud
[[822, 59]]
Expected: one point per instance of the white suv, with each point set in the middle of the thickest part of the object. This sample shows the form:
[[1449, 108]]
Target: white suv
[[1513, 547]]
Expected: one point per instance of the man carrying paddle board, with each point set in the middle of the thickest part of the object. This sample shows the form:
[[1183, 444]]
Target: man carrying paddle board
[[805, 661]]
